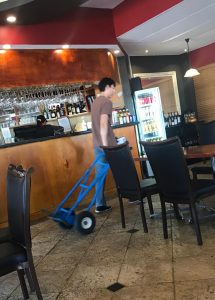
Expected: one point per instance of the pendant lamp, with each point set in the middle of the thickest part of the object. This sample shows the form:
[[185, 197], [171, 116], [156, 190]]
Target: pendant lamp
[[191, 72]]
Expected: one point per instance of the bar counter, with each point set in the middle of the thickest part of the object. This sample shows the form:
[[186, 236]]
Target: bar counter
[[58, 163]]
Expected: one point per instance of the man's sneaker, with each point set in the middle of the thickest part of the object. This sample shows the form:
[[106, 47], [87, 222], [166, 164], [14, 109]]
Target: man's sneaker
[[102, 209], [133, 201]]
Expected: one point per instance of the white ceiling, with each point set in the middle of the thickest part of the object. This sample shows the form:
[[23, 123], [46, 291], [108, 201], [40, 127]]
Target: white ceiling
[[110, 4], [165, 34], [6, 4]]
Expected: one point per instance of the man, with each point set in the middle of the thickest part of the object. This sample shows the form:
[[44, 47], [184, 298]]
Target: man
[[44, 129], [103, 135]]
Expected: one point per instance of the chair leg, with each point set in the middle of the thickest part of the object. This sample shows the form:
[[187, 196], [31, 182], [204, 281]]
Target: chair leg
[[30, 280], [191, 215], [122, 211], [143, 216], [194, 176], [35, 281], [176, 212], [21, 273], [151, 209], [163, 208], [196, 223]]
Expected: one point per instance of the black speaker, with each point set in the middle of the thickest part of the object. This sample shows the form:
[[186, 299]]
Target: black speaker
[[135, 84]]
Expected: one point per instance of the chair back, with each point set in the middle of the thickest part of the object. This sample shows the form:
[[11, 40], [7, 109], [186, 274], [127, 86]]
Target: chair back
[[123, 168], [170, 169], [206, 132], [18, 202]]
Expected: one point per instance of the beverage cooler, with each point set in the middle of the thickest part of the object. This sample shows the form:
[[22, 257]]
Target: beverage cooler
[[149, 112]]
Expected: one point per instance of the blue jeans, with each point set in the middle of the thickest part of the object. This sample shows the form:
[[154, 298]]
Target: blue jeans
[[100, 199]]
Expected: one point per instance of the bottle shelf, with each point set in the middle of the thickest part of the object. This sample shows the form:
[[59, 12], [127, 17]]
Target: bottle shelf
[[148, 119], [71, 116], [150, 135], [80, 114], [145, 105]]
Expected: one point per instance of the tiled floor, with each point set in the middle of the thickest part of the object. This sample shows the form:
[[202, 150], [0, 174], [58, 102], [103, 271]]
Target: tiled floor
[[71, 266]]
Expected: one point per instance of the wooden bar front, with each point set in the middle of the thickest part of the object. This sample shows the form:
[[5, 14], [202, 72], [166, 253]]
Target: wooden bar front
[[58, 164]]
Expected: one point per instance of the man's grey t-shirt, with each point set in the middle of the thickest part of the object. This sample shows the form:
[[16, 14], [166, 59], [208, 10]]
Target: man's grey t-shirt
[[102, 106]]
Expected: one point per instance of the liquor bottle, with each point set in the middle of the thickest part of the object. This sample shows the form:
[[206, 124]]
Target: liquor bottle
[[172, 119], [169, 120], [146, 128], [121, 117], [53, 112], [114, 117], [73, 108], [165, 119], [45, 114], [62, 110], [77, 108], [128, 116], [176, 118], [69, 109], [179, 118], [58, 111]]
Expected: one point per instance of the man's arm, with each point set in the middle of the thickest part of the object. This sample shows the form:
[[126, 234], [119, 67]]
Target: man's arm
[[104, 129]]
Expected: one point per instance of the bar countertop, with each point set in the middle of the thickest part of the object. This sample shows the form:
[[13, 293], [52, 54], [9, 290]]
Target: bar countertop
[[12, 144]]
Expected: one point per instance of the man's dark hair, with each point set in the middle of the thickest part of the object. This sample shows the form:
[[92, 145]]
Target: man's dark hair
[[40, 120], [104, 82]]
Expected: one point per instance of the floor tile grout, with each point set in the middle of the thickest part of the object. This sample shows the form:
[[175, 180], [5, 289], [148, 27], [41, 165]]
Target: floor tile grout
[[82, 257]]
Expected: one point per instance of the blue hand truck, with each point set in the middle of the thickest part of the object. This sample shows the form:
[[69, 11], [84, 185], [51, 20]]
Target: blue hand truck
[[84, 221]]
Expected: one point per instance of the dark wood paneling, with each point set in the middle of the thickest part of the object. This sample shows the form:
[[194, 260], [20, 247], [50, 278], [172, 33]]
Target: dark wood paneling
[[41, 67]]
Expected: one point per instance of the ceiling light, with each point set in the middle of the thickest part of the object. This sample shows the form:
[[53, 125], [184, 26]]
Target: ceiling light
[[2, 51], [191, 72], [11, 19], [116, 51], [146, 51], [65, 46], [6, 47], [58, 51], [109, 53]]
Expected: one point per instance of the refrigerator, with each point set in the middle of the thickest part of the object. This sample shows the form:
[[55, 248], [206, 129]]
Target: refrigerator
[[151, 125]]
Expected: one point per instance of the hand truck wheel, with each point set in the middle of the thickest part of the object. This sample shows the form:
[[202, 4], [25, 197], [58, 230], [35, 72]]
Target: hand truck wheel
[[85, 222]]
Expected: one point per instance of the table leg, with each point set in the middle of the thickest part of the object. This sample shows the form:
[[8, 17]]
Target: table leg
[[213, 165]]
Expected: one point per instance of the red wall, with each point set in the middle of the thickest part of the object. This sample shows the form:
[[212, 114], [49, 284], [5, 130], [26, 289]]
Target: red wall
[[87, 25], [82, 26], [203, 56], [132, 13]]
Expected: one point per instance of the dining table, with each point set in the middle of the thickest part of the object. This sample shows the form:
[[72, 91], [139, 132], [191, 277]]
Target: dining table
[[199, 151]]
